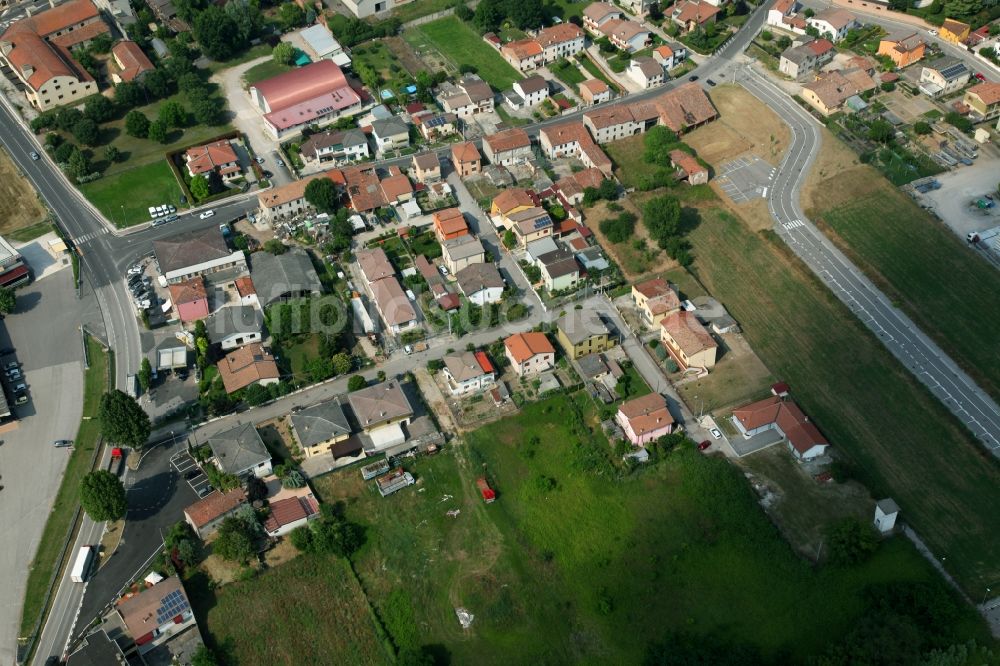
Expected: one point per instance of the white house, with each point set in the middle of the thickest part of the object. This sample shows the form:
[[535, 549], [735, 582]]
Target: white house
[[646, 72], [481, 283], [390, 134], [805, 441], [560, 41], [944, 78], [468, 372], [530, 353], [833, 23], [533, 90], [780, 11]]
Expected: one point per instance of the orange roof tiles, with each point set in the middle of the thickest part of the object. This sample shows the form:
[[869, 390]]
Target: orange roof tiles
[[988, 92], [558, 34], [205, 158], [465, 153], [523, 346], [801, 433], [244, 366], [133, 61], [510, 139], [188, 291], [685, 330], [217, 504], [296, 189], [646, 413], [511, 198], [522, 49]]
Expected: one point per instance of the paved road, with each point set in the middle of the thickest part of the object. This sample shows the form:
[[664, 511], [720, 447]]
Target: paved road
[[969, 403]]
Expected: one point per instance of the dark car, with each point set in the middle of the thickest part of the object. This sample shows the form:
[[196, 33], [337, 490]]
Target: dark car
[[704, 445], [192, 474], [52, 661], [710, 82], [268, 174], [693, 77]]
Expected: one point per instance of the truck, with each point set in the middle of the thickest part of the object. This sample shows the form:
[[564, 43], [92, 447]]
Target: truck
[[81, 567], [395, 480], [484, 489]]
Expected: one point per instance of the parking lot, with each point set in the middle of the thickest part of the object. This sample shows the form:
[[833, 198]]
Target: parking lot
[[745, 178], [954, 201], [191, 473]]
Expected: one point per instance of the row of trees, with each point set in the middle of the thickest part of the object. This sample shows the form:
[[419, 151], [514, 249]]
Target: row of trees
[[490, 15]]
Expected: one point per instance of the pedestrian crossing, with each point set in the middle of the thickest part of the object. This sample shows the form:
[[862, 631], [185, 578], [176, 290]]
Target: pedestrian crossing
[[793, 224], [80, 240]]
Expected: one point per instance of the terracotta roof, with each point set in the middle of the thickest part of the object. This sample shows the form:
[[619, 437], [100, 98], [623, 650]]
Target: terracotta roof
[[465, 153], [522, 49], [188, 291], [510, 139], [623, 29], [610, 116], [81, 35], [685, 106], [820, 46], [244, 286], [579, 181], [646, 413], [783, 6], [133, 61], [695, 10], [801, 433], [687, 162], [139, 612], [392, 301], [685, 330], [395, 187], [594, 86], [244, 366], [566, 133], [48, 60], [374, 264], [653, 287], [954, 27], [449, 302], [202, 159], [450, 221], [287, 511], [296, 189], [664, 51], [988, 92], [523, 346], [511, 198], [466, 365], [217, 504], [60, 17], [558, 34], [364, 189], [595, 11]]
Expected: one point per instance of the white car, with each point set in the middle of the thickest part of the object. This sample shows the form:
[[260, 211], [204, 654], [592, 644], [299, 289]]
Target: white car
[[715, 433], [34, 156], [932, 33], [408, 349], [207, 214], [443, 269], [144, 305], [280, 163], [260, 160]]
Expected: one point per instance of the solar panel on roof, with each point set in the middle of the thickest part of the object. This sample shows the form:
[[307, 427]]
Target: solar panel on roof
[[436, 121], [953, 71], [171, 605], [543, 222]]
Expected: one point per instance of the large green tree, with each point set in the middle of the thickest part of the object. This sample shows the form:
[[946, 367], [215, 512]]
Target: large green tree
[[8, 300], [199, 187], [172, 114], [234, 541], [283, 53], [123, 421], [137, 124], [157, 131], [322, 194], [102, 496], [100, 109], [217, 33], [291, 15], [247, 18], [662, 217], [851, 541]]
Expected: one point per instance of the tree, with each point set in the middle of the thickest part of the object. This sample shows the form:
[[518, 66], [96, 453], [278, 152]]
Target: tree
[[68, 118], [509, 240], [284, 53], [217, 33], [356, 383], [63, 152], [290, 15], [123, 421], [809, 12], [192, 85], [199, 187], [157, 131], [881, 131], [100, 109], [255, 395], [412, 656], [102, 496], [341, 363], [489, 15], [137, 124], [322, 194], [921, 127], [78, 165], [172, 114], [657, 144], [618, 229], [145, 375], [207, 111], [851, 541], [888, 86], [234, 541], [8, 300], [158, 83], [203, 657], [130, 94], [111, 154], [246, 15], [662, 217]]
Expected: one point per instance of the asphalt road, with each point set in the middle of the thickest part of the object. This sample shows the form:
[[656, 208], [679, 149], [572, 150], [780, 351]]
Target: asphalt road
[[952, 386]]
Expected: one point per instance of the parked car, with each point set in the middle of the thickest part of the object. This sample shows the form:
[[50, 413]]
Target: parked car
[[710, 82], [13, 375], [20, 399], [193, 473], [34, 156], [207, 214], [280, 163], [63, 442], [693, 77], [716, 433], [260, 160], [704, 445], [979, 75], [268, 175], [11, 365], [20, 387], [408, 349]]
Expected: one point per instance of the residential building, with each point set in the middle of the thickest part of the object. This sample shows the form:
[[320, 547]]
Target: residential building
[[689, 15], [645, 71], [713, 314], [338, 147], [468, 372], [591, 257], [784, 416], [530, 224], [640, 7], [364, 189], [562, 40], [390, 134], [190, 300], [582, 332], [290, 513], [664, 55], [233, 326], [573, 186], [218, 157], [38, 50], [944, 77], [250, 364], [833, 23], [481, 283], [529, 92], [559, 268], [473, 96], [524, 55], [903, 49], [510, 201], [13, 271], [321, 427], [155, 615], [954, 31], [323, 44], [435, 125], [597, 14], [130, 62], [463, 251], [374, 264], [645, 419], [466, 159], [687, 341], [683, 109], [240, 451], [381, 412], [529, 353], [205, 515], [655, 299], [594, 91], [832, 89], [309, 95], [393, 305], [289, 201], [365, 8], [612, 123], [190, 254], [427, 167], [780, 11], [627, 35], [801, 59], [396, 187], [449, 224], [688, 167], [246, 291], [984, 100], [571, 139], [508, 147], [538, 247], [283, 276]]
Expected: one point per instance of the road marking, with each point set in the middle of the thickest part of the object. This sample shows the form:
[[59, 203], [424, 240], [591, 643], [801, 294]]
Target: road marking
[[91, 236], [794, 224]]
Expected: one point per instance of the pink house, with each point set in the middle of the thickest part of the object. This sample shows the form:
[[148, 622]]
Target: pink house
[[190, 300], [645, 418]]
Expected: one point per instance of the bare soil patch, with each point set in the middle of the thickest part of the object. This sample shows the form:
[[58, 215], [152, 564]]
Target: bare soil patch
[[19, 204], [404, 52], [837, 161], [745, 125]]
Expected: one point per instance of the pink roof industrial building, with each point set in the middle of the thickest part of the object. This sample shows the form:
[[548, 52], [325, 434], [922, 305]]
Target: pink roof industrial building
[[312, 94]]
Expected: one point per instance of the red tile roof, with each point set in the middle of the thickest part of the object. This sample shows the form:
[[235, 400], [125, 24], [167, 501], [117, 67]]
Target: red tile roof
[[801, 433], [188, 291], [217, 504], [287, 511], [465, 153], [523, 346], [202, 159], [132, 59], [244, 366], [244, 286], [646, 413]]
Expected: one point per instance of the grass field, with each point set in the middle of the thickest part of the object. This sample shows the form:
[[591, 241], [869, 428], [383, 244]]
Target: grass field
[[265, 70], [68, 498], [125, 197], [596, 72], [307, 611], [459, 44], [901, 439], [19, 204], [925, 268], [32, 232], [567, 72]]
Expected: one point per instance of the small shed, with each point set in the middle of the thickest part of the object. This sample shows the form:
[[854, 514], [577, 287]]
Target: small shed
[[886, 511]]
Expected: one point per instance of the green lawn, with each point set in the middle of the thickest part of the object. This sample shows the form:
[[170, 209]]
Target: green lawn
[[125, 197], [415, 10], [567, 72], [924, 267], [633, 385], [460, 45], [265, 70], [59, 522], [596, 72], [300, 352], [903, 442]]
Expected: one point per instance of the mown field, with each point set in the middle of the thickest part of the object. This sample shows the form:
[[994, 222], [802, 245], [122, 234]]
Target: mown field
[[460, 45], [152, 184], [19, 204]]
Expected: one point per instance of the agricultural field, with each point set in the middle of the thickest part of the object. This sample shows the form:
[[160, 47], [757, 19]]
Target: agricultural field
[[459, 44], [920, 264], [19, 204]]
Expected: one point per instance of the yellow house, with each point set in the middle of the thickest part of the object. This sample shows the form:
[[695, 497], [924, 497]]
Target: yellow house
[[510, 201], [689, 344], [323, 427], [954, 31], [984, 100], [582, 332], [655, 299]]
